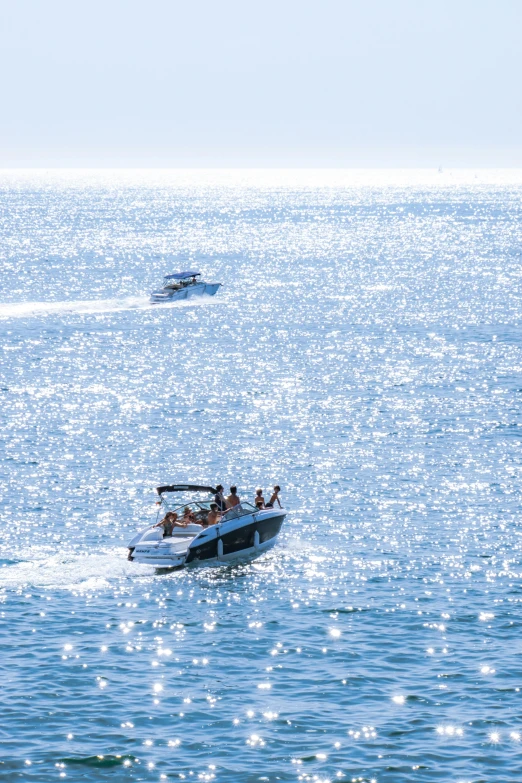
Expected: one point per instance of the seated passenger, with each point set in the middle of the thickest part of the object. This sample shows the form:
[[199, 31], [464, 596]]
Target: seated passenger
[[169, 521], [259, 499], [274, 498], [188, 517], [213, 515], [233, 499]]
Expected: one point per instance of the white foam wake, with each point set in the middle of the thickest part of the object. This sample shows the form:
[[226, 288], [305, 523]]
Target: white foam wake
[[90, 306], [71, 571]]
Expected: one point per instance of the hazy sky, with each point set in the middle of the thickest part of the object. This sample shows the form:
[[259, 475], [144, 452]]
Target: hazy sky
[[260, 82]]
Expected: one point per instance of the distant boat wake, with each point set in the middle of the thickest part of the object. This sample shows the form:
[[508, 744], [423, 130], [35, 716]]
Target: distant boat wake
[[87, 307]]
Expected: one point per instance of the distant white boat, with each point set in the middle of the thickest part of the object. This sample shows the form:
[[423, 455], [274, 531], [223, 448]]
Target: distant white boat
[[183, 285]]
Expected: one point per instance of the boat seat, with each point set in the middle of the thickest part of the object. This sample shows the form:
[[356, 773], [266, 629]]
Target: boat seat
[[182, 531], [156, 534]]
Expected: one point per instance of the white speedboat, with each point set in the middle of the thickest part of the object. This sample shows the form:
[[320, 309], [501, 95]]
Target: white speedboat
[[183, 285], [243, 532]]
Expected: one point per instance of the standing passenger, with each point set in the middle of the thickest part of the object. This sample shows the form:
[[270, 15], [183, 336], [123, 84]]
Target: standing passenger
[[219, 498], [232, 499]]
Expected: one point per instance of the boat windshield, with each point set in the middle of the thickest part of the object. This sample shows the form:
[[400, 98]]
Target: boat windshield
[[180, 283], [199, 508], [239, 511]]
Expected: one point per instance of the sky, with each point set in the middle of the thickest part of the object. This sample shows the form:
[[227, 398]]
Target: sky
[[250, 83]]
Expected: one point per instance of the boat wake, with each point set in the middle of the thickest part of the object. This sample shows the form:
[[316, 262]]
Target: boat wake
[[68, 571], [91, 306]]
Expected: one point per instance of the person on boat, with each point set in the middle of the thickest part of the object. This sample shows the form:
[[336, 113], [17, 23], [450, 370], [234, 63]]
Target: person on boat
[[233, 499], [274, 498], [168, 523], [219, 498], [188, 517], [259, 499], [213, 515]]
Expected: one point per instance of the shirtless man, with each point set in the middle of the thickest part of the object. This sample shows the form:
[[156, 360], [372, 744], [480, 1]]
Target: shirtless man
[[275, 497], [232, 499], [213, 515]]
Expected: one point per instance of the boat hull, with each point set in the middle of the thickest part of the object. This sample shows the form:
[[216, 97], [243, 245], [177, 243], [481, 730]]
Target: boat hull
[[188, 292], [243, 538]]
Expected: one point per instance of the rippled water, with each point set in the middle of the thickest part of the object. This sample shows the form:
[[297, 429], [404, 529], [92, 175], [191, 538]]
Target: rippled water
[[365, 353]]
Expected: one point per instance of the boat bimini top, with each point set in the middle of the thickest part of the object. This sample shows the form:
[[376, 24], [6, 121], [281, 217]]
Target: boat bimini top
[[182, 275], [185, 488]]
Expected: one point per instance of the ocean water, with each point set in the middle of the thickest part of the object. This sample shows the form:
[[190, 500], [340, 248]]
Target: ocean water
[[364, 353]]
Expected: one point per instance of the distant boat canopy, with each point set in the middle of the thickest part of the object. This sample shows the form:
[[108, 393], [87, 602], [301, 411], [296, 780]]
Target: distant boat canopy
[[182, 275]]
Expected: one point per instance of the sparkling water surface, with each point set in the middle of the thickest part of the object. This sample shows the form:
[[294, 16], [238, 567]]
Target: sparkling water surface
[[364, 353]]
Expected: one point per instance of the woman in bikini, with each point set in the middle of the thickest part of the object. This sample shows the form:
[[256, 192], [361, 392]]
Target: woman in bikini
[[259, 499], [168, 523]]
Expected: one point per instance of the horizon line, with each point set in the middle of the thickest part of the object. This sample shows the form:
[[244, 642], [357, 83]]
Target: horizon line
[[439, 169]]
